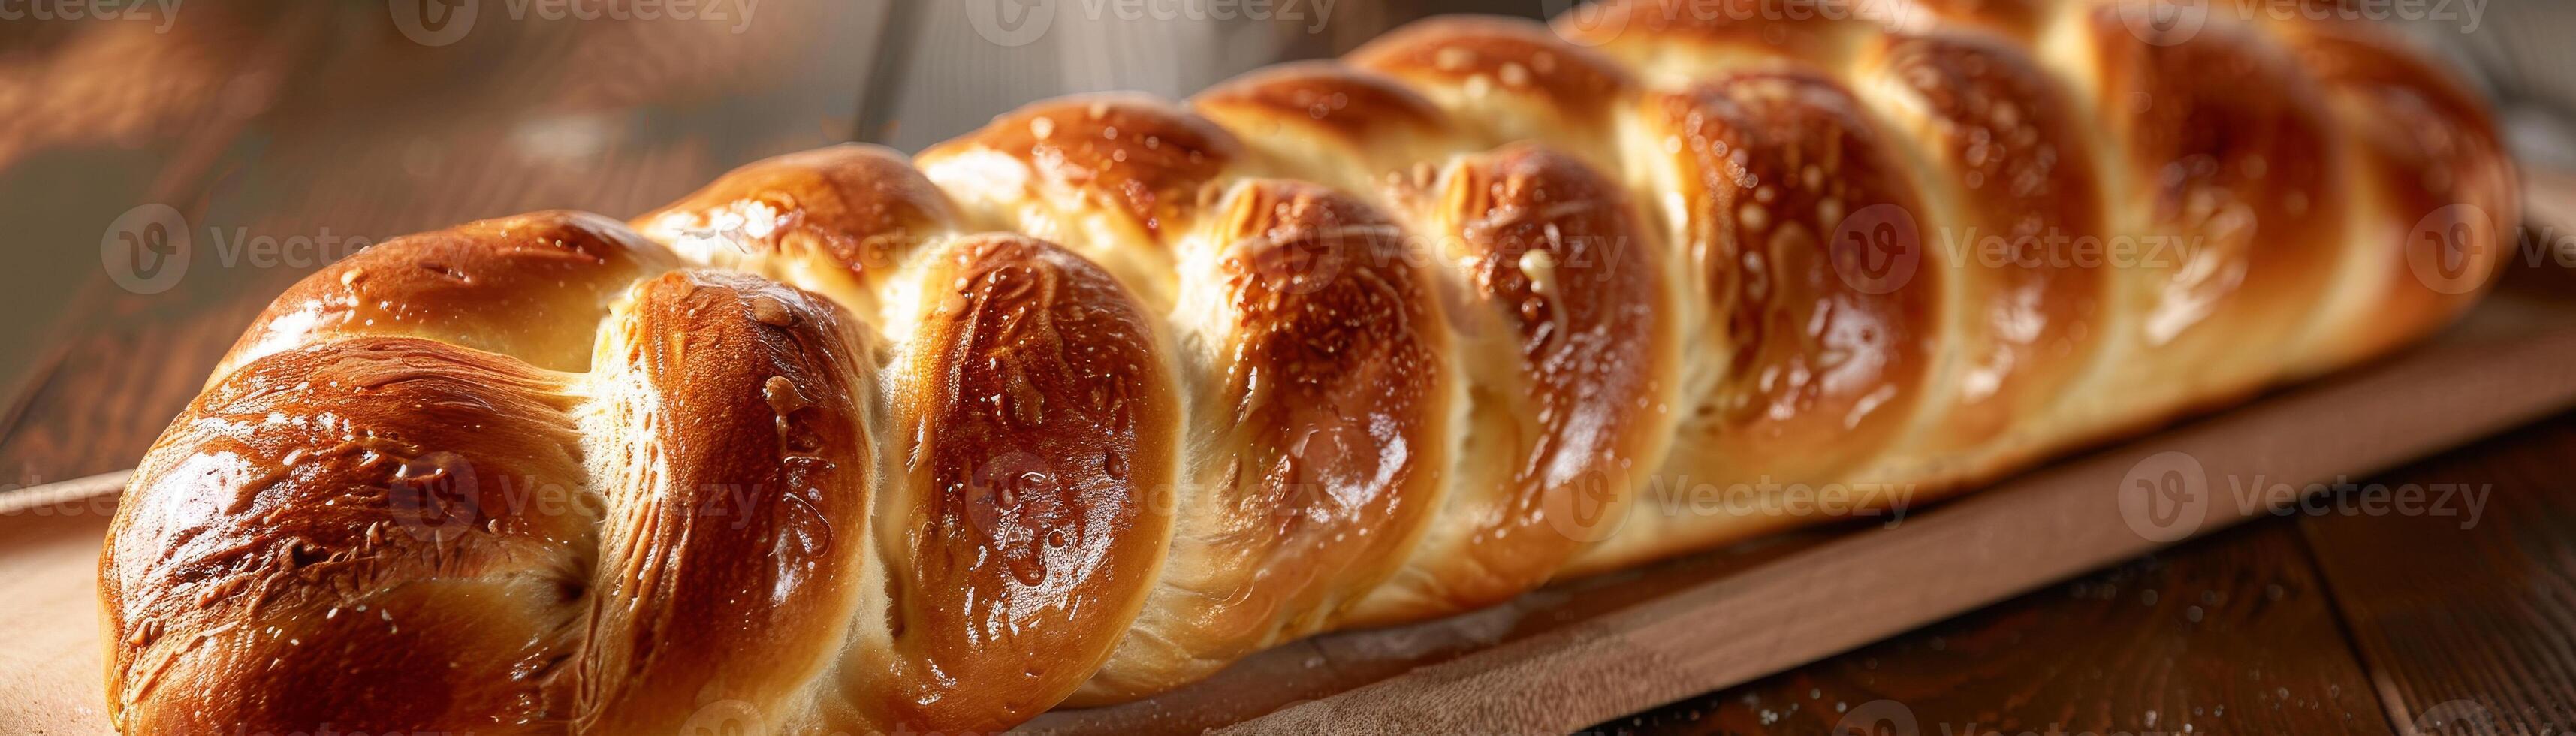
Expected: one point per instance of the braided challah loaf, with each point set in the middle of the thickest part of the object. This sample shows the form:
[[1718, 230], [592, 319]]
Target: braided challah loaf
[[1113, 392]]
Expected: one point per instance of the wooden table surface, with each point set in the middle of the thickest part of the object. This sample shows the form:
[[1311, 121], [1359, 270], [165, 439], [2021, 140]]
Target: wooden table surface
[[268, 123]]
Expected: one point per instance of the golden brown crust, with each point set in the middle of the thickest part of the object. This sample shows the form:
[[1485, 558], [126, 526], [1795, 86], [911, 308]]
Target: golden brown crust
[[1803, 228], [1329, 123], [529, 286], [1110, 176], [2023, 245], [1489, 303], [1033, 502], [736, 505], [1512, 79], [1332, 98], [1137, 157], [2015, 18], [1510, 54], [1328, 379], [1725, 30], [2239, 178], [1569, 342], [381, 534], [836, 220], [2449, 203]]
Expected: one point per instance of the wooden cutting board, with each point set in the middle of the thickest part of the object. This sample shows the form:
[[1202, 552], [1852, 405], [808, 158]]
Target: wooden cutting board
[[1585, 651]]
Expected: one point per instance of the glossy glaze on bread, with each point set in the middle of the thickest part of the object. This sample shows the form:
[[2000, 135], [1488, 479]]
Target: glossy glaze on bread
[[1084, 405]]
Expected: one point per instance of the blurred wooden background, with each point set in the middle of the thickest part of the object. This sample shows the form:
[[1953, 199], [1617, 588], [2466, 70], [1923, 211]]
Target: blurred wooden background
[[321, 126]]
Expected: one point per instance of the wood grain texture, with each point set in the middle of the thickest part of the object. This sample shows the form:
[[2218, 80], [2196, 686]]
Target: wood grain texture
[[2233, 634], [2468, 621], [100, 118], [1321, 666]]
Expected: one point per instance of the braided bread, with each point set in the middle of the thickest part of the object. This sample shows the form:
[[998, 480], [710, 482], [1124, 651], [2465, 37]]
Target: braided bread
[[1084, 405]]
